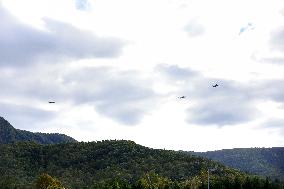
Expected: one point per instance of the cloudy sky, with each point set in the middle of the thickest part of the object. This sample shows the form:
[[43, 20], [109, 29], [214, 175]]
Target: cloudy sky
[[116, 69]]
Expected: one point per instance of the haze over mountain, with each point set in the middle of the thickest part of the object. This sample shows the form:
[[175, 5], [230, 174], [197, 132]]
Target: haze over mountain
[[8, 134], [262, 161]]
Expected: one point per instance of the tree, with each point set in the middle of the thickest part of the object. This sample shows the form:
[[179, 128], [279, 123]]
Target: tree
[[45, 181]]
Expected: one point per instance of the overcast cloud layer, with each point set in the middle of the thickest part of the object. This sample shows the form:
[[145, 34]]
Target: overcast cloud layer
[[119, 95], [80, 59], [21, 44], [229, 104]]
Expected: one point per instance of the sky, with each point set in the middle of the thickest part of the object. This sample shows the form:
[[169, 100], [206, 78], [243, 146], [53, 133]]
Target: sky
[[116, 70]]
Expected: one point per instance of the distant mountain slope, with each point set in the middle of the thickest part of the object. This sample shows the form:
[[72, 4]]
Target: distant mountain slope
[[8, 134], [261, 161], [79, 165]]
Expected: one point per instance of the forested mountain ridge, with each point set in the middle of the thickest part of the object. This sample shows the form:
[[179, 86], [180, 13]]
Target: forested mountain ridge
[[111, 164], [8, 134], [79, 165], [261, 161]]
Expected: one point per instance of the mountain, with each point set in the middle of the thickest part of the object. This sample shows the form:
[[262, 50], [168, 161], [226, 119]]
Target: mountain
[[261, 161], [25, 159], [8, 134], [79, 165]]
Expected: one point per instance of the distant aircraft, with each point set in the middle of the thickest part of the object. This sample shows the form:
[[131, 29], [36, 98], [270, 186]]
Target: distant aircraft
[[51, 102], [182, 97], [216, 85]]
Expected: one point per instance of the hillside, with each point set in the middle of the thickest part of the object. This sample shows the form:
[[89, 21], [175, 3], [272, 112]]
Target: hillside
[[8, 134], [115, 164], [261, 161], [83, 164]]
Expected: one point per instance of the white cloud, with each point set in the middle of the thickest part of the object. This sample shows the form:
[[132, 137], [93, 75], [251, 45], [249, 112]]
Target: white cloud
[[174, 49], [60, 41], [193, 28]]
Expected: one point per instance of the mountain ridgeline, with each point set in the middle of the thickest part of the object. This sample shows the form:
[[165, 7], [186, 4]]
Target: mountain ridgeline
[[268, 162], [8, 134], [87, 165], [27, 162]]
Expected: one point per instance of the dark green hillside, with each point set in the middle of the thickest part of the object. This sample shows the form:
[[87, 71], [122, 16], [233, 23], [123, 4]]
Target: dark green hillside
[[261, 161], [8, 134], [109, 164], [83, 164]]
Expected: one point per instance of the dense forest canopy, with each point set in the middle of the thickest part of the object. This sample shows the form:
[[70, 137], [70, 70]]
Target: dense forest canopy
[[41, 161], [261, 161], [100, 164]]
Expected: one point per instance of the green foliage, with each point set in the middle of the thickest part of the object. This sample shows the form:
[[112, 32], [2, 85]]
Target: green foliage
[[113, 164], [260, 161], [155, 181], [45, 181], [7, 183], [123, 165], [8, 134]]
